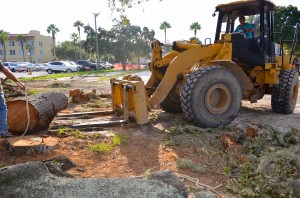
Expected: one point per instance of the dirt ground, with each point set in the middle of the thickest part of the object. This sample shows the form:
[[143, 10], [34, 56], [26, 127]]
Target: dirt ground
[[168, 142]]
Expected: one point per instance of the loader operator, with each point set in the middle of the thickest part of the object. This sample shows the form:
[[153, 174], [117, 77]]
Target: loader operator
[[244, 28], [3, 108]]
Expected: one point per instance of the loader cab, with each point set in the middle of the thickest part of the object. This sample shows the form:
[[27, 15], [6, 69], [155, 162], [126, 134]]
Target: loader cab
[[259, 49]]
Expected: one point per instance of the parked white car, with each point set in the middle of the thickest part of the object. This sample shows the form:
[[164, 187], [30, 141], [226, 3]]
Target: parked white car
[[106, 65], [22, 66], [11, 66], [61, 66]]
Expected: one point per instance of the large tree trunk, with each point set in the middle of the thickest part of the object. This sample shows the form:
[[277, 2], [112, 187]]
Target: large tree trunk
[[43, 107]]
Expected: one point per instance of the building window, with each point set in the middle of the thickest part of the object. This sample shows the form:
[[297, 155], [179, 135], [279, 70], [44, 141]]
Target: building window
[[20, 44], [12, 52], [31, 43], [40, 43], [41, 52], [32, 52], [20, 53], [1, 53], [11, 43]]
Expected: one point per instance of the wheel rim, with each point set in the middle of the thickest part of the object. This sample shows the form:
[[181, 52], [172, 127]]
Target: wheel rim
[[295, 93], [69, 71], [218, 99]]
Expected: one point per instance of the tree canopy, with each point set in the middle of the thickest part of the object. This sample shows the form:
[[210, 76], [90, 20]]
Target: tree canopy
[[286, 17]]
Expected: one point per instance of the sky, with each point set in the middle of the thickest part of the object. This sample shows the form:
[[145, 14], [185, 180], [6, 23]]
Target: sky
[[19, 16]]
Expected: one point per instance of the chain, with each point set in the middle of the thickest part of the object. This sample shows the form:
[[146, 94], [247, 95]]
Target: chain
[[198, 184]]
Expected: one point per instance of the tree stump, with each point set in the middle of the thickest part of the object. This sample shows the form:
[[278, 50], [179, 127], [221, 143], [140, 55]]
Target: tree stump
[[43, 107], [30, 145]]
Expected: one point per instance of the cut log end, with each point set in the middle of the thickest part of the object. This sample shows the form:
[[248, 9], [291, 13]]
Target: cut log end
[[43, 108], [18, 119]]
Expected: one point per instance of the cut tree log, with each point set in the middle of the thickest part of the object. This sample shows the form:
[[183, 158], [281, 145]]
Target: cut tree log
[[43, 107]]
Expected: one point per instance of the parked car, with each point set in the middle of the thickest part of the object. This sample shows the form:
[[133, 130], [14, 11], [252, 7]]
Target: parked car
[[61, 66], [22, 66], [81, 68], [105, 65], [87, 63], [33, 67], [11, 66], [42, 66]]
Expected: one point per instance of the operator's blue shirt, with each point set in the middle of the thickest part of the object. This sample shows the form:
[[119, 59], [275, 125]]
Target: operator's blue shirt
[[246, 26], [1, 67]]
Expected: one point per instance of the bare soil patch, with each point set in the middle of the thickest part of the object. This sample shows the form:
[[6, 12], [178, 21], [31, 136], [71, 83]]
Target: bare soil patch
[[169, 142]]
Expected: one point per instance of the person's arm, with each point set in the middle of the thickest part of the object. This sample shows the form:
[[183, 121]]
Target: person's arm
[[11, 76], [249, 28], [237, 28]]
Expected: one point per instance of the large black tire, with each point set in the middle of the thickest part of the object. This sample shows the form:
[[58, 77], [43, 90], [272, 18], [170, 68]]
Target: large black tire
[[285, 94], [172, 103], [211, 97]]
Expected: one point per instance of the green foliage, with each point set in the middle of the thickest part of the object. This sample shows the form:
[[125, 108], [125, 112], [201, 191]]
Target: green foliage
[[32, 91], [65, 51], [186, 163], [195, 26], [164, 26], [275, 165], [100, 148], [64, 132], [286, 15], [105, 147]]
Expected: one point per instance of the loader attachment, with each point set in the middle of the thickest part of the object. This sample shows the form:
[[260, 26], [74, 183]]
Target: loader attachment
[[130, 98]]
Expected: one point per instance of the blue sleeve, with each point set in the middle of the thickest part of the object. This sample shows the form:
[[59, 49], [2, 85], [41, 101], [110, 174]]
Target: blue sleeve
[[249, 26], [238, 27]]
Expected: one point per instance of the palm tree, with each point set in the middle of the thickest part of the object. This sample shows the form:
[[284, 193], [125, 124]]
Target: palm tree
[[74, 38], [22, 40], [164, 26], [29, 48], [4, 38], [79, 24], [53, 30], [195, 26]]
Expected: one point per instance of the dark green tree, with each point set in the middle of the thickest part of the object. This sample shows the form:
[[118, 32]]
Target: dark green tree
[[164, 26], [53, 30], [65, 50], [3, 39], [22, 40], [123, 41], [89, 44], [74, 38], [30, 51], [283, 16], [194, 27], [79, 24]]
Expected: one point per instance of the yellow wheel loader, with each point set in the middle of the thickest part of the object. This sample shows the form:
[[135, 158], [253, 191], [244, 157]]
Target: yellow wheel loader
[[207, 82]]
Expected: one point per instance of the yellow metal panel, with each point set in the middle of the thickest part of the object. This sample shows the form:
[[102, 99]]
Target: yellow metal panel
[[185, 46], [271, 76], [286, 60], [225, 52], [242, 77], [179, 64], [140, 103], [116, 94]]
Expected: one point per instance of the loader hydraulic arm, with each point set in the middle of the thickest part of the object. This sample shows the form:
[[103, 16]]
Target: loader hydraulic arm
[[178, 63]]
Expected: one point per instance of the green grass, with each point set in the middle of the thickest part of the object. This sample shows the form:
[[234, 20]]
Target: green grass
[[106, 147], [33, 91], [63, 75], [186, 163]]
